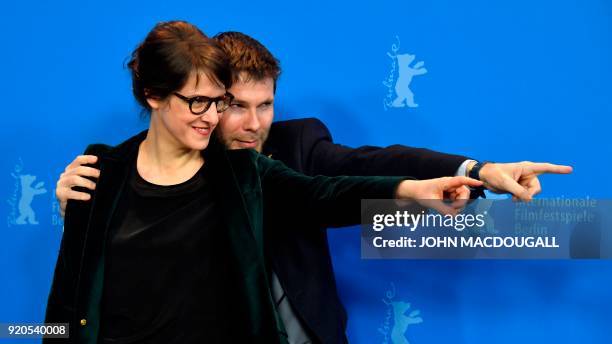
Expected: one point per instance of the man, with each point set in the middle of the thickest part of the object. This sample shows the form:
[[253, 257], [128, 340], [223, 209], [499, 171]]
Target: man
[[303, 280]]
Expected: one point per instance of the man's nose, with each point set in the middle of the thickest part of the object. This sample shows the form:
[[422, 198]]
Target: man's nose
[[252, 121]]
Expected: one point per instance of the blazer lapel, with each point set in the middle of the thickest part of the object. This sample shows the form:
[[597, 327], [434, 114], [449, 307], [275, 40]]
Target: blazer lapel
[[238, 187], [110, 185]]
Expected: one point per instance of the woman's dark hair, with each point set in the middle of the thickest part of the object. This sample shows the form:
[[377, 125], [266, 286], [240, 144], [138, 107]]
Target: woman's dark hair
[[162, 63]]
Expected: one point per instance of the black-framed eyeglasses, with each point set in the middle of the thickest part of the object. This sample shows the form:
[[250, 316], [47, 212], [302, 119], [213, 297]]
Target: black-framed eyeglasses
[[200, 104]]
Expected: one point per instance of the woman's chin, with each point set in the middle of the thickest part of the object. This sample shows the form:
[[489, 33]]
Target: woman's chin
[[198, 144]]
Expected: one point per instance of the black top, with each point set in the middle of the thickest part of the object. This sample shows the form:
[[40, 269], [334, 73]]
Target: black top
[[238, 181], [164, 267]]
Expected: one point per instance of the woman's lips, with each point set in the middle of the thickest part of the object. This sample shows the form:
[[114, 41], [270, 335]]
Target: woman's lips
[[202, 131]]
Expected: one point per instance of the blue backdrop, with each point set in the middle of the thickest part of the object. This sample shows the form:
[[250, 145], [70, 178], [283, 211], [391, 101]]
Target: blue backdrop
[[503, 81]]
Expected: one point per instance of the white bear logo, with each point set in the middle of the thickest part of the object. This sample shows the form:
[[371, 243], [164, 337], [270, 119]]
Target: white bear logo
[[397, 311], [404, 94], [26, 213], [399, 94], [402, 321]]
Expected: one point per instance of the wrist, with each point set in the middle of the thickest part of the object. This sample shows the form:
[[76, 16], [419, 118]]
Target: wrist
[[404, 189], [469, 167], [476, 169]]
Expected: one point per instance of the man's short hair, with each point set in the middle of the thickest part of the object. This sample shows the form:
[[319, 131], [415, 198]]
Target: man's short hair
[[249, 59]]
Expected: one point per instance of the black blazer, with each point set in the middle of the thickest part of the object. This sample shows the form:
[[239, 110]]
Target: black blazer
[[301, 257], [250, 188]]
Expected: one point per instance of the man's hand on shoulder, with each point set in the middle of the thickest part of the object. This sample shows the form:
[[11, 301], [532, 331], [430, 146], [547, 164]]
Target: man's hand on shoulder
[[75, 175]]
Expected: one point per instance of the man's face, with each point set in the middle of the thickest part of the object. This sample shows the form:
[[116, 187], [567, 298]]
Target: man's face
[[247, 121]]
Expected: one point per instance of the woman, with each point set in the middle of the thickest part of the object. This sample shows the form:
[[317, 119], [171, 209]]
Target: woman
[[171, 246]]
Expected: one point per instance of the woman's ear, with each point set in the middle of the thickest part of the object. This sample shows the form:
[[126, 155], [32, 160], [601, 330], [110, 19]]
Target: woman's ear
[[154, 102]]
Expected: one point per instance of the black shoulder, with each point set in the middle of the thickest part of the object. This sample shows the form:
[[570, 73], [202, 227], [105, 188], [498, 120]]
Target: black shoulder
[[121, 151], [297, 125], [303, 132], [98, 149], [315, 129], [242, 159]]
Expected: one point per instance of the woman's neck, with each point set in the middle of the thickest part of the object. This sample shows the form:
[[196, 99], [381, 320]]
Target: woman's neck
[[163, 161]]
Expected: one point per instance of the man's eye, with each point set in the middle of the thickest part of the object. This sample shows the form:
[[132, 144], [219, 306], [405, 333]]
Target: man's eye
[[236, 105], [264, 106]]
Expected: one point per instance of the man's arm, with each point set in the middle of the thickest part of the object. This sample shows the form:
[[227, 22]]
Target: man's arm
[[323, 156]]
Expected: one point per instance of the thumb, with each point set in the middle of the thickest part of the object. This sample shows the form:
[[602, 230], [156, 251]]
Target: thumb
[[517, 190], [456, 182], [439, 206]]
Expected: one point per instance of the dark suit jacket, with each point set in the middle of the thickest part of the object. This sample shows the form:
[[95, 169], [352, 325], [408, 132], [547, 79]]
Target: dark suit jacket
[[301, 257], [249, 188]]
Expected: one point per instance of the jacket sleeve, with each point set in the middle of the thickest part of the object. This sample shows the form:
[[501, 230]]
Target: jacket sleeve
[[323, 156], [321, 200], [61, 301]]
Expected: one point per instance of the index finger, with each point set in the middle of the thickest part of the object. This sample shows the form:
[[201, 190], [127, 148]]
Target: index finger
[[83, 160], [544, 167]]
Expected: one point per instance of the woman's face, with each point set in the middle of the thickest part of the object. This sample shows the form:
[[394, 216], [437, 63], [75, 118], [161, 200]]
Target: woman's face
[[172, 119]]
